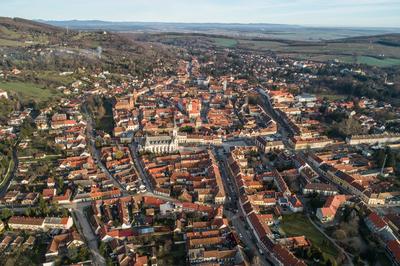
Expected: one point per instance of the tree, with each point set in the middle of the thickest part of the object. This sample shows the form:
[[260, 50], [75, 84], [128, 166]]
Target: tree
[[339, 234], [187, 129], [43, 208], [346, 127], [6, 214], [119, 155]]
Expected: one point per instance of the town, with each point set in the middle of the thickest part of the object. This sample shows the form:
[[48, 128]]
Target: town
[[198, 163]]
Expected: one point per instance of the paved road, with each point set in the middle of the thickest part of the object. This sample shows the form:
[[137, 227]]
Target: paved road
[[6, 185], [95, 152], [144, 178], [269, 109], [86, 231], [246, 235]]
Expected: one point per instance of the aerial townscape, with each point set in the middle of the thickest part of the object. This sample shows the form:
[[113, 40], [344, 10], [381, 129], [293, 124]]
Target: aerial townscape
[[190, 144]]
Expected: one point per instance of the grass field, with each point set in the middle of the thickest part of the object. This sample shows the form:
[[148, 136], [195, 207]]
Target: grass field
[[29, 91], [225, 42], [332, 96], [54, 77], [298, 224], [11, 43], [368, 60]]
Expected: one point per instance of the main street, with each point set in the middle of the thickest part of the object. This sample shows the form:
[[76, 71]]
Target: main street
[[246, 235], [140, 171], [86, 231], [95, 152]]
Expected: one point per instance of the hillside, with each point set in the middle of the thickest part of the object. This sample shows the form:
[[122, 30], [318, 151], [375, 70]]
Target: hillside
[[36, 46], [386, 39]]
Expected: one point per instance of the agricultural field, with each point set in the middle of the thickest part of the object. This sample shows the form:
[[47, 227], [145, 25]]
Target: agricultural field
[[225, 42], [29, 91], [373, 53], [372, 61]]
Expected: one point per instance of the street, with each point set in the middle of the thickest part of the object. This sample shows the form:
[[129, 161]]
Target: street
[[141, 173], [246, 236], [86, 231]]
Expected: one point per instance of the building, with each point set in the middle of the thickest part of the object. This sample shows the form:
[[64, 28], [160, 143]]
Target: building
[[300, 143], [328, 212], [26, 223], [160, 144], [266, 144], [3, 94], [58, 223], [373, 138], [295, 204], [305, 98], [393, 249], [62, 241], [320, 188], [39, 223]]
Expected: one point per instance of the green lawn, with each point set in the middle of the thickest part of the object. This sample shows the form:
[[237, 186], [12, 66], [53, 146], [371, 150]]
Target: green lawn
[[298, 224], [29, 91]]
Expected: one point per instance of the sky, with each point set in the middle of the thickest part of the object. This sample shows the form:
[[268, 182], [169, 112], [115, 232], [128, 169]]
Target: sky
[[351, 13]]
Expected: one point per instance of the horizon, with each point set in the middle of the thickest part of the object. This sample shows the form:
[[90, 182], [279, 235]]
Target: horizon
[[210, 23], [308, 13]]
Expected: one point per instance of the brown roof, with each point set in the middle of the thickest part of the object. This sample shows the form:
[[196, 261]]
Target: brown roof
[[394, 248], [219, 254], [286, 257], [26, 220]]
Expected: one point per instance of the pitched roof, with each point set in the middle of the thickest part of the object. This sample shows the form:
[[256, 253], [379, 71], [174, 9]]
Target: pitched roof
[[394, 247], [377, 220], [286, 257]]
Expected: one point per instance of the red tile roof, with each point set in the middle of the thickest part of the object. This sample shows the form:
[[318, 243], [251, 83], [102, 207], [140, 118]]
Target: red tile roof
[[377, 220], [394, 247]]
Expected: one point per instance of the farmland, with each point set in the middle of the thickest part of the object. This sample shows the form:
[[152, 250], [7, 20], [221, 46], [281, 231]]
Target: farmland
[[374, 52]]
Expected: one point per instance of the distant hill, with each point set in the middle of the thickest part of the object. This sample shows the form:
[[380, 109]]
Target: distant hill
[[282, 31], [24, 25], [387, 39]]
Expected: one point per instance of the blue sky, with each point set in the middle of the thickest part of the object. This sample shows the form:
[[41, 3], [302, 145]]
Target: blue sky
[[371, 13]]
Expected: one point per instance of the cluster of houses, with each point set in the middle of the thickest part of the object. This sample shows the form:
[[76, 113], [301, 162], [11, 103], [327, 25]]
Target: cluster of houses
[[299, 113], [118, 160], [263, 207], [122, 221], [355, 174], [192, 176]]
